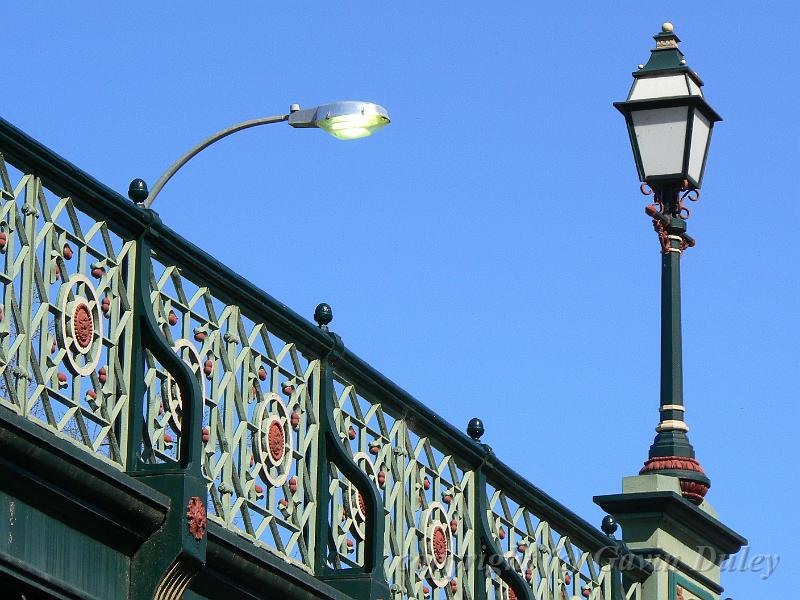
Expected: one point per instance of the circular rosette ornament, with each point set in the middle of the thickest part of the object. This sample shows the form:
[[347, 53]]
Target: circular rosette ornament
[[273, 444], [437, 545], [79, 328], [189, 354], [355, 507]]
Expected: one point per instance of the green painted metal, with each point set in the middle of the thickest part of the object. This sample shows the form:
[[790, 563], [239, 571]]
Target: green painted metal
[[298, 448]]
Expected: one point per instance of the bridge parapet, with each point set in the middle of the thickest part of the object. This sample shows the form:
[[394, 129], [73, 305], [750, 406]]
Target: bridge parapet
[[146, 353]]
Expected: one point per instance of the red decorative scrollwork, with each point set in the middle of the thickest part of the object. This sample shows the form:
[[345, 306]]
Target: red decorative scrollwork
[[196, 518]]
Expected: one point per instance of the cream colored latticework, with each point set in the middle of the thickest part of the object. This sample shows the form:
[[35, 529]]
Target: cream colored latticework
[[65, 318], [428, 546], [549, 562], [260, 418]]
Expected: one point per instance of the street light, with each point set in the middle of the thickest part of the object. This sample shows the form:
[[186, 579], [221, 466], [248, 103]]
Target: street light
[[669, 121], [669, 124], [345, 120]]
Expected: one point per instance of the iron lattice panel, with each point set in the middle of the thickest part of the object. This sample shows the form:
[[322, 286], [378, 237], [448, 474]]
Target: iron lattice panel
[[549, 562], [66, 317], [260, 418], [429, 535]]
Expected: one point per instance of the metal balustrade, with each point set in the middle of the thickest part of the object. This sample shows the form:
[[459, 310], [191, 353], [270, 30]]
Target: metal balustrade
[[306, 450]]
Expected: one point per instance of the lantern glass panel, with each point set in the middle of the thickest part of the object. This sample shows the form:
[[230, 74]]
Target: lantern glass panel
[[701, 129], [660, 139], [645, 88]]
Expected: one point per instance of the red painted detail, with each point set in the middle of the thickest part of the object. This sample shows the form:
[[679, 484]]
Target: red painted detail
[[294, 419], [350, 545], [447, 498], [454, 526], [208, 367], [567, 579], [374, 449], [53, 348], [283, 503], [501, 533], [453, 585], [3, 241], [200, 336], [381, 478], [287, 388], [522, 548], [586, 592], [293, 484], [91, 394], [102, 374], [58, 271], [351, 433], [693, 490], [172, 318], [168, 438], [1, 313], [276, 440], [439, 543], [426, 590], [83, 326], [259, 490], [362, 505], [512, 595], [97, 272], [105, 305], [528, 575], [426, 483], [262, 373], [205, 434], [196, 518], [62, 380], [67, 251]]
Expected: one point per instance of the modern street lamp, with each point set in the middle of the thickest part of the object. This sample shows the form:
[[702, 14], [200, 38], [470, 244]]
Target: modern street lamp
[[669, 124], [345, 120]]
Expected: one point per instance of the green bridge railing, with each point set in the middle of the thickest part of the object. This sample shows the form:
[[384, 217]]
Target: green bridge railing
[[142, 350]]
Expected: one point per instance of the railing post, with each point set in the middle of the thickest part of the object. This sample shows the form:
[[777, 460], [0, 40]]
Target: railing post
[[369, 581], [491, 556], [165, 564]]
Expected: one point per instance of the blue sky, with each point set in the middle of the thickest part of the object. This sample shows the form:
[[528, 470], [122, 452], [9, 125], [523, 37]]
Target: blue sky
[[489, 250]]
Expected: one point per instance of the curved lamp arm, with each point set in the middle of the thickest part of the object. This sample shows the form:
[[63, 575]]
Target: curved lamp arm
[[205, 144]]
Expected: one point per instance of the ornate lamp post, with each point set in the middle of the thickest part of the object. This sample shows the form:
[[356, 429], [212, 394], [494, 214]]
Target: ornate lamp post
[[670, 123], [346, 120]]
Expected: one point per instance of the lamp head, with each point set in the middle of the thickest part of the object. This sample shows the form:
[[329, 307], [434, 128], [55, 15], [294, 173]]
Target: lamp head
[[346, 120], [668, 118]]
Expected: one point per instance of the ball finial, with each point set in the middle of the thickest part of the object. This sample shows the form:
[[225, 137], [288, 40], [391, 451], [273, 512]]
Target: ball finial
[[137, 191], [609, 525], [667, 27], [475, 428], [323, 315]]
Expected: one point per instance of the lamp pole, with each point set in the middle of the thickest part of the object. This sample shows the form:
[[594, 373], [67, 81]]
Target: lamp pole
[[669, 124]]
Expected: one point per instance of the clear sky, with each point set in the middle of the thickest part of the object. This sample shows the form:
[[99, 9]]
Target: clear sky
[[489, 250]]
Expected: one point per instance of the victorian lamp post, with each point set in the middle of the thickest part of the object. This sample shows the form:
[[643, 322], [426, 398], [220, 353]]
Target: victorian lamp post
[[669, 124], [346, 120]]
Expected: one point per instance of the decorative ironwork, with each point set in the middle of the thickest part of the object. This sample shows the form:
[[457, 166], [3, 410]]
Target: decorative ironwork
[[428, 499], [65, 318], [663, 214], [551, 564], [66, 353], [261, 409]]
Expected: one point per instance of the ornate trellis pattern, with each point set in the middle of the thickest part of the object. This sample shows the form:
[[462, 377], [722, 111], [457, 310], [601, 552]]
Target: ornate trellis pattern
[[551, 564], [260, 418], [66, 317], [428, 501]]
